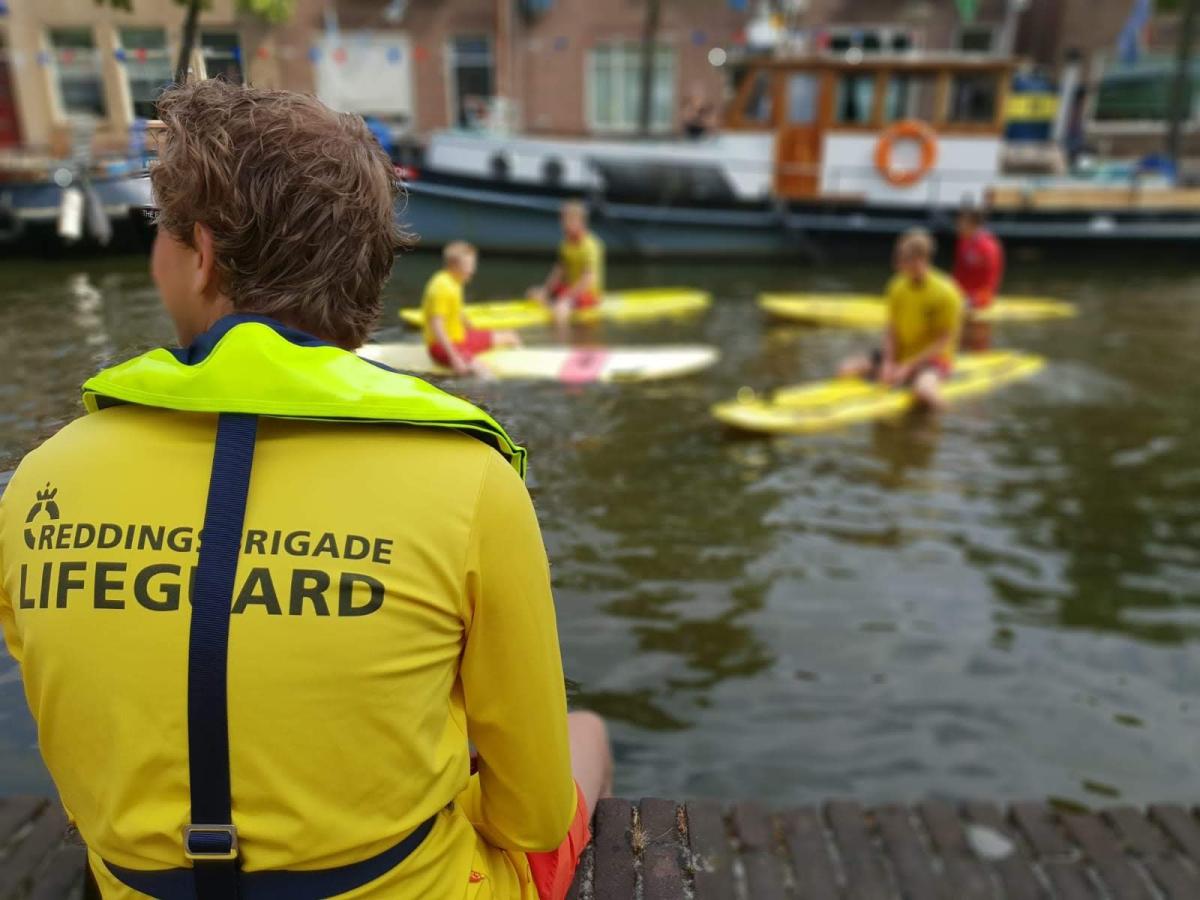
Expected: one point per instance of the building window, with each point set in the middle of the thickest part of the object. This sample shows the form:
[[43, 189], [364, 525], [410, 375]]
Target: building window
[[1143, 96], [147, 67], [615, 80], [855, 99], [472, 78], [973, 99], [976, 38], [222, 53], [77, 70]]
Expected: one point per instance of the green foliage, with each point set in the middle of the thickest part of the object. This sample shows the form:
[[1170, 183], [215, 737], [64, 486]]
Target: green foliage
[[274, 11]]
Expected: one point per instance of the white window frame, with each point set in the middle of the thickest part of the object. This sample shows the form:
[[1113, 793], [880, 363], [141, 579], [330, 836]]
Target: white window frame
[[629, 118], [126, 68], [60, 100]]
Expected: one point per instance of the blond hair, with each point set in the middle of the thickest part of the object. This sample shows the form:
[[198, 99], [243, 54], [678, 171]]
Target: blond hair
[[300, 201], [454, 253], [575, 208], [915, 243]]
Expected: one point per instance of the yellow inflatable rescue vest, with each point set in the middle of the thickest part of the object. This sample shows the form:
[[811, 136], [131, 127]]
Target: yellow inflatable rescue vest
[[243, 368]]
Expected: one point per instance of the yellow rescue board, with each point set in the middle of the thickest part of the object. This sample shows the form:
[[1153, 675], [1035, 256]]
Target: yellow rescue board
[[867, 311], [570, 365], [824, 405], [620, 306]]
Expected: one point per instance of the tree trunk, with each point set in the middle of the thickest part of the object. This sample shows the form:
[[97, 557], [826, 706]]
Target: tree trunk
[[1181, 90], [188, 42], [649, 46]]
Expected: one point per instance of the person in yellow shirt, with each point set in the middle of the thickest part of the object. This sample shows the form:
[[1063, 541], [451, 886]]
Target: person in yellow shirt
[[266, 596], [577, 279], [925, 310], [451, 340]]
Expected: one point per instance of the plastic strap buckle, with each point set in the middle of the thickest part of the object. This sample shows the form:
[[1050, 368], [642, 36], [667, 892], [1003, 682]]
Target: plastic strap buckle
[[210, 843]]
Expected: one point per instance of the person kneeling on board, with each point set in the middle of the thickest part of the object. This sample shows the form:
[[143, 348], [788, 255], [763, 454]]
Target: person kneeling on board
[[451, 340], [978, 260], [577, 279], [267, 596], [924, 319]]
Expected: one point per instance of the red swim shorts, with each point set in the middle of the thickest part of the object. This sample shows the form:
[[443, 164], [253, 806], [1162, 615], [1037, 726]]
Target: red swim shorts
[[554, 871], [476, 341]]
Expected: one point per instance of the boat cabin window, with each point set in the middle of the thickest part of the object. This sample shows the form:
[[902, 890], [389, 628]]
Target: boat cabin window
[[911, 96], [759, 106], [973, 98], [802, 90], [855, 99]]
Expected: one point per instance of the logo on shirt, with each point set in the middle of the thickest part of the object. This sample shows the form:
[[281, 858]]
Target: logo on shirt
[[45, 503]]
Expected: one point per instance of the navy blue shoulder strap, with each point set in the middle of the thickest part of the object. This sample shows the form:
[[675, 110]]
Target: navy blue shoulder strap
[[211, 840]]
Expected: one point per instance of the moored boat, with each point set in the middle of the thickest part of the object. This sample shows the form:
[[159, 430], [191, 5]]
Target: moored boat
[[817, 154]]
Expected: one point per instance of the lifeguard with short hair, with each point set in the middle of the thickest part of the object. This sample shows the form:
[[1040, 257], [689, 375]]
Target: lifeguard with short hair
[[449, 336], [925, 311], [577, 279], [288, 706]]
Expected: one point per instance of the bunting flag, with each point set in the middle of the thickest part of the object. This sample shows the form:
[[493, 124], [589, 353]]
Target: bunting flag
[[314, 54], [967, 9], [394, 55], [699, 37], [561, 43], [120, 54]]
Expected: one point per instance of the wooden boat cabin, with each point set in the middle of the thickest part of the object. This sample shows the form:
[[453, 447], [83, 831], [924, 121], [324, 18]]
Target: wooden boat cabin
[[904, 130]]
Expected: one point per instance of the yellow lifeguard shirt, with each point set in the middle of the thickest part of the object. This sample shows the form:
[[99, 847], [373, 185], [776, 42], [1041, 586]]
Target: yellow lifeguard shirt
[[391, 608], [577, 258], [444, 297], [920, 314]]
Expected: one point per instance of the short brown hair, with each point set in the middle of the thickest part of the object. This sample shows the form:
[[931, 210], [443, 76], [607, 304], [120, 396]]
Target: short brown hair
[[456, 251], [300, 201], [916, 242]]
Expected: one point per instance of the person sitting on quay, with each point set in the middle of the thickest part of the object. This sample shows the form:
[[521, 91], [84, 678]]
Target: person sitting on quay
[[924, 320], [978, 260], [321, 582], [451, 340], [577, 279]]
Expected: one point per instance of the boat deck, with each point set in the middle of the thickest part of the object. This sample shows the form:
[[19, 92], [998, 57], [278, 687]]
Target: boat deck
[[666, 850]]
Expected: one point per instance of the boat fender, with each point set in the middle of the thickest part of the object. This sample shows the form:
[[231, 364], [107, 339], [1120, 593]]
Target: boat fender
[[906, 130], [552, 172], [501, 166]]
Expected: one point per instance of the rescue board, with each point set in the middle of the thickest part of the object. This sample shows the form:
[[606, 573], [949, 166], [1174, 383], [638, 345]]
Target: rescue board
[[824, 405], [867, 311], [621, 306], [570, 365]]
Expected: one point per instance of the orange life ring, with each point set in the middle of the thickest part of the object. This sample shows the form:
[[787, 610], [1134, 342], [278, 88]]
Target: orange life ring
[[910, 130]]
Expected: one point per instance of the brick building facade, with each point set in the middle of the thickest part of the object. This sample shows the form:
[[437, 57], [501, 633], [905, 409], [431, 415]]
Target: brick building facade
[[567, 67]]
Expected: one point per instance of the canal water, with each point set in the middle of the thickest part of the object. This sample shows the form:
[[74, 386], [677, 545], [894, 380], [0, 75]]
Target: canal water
[[1001, 602]]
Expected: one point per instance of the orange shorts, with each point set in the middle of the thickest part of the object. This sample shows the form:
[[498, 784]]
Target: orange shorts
[[554, 871]]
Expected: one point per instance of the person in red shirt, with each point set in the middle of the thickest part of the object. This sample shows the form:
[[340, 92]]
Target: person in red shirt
[[978, 261]]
